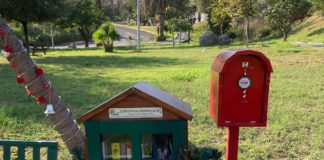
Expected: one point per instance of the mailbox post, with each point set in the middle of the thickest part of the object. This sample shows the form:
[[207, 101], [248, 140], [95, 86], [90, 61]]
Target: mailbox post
[[239, 88]]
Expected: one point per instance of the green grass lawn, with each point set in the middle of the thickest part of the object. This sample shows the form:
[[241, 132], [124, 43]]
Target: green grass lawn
[[85, 78]]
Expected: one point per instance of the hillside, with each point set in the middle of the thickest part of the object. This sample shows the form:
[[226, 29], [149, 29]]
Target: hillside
[[310, 30]]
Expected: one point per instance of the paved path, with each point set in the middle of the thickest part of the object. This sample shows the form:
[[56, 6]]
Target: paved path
[[309, 44], [128, 38]]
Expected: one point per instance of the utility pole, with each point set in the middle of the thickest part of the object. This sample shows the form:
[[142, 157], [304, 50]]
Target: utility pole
[[52, 37], [138, 26]]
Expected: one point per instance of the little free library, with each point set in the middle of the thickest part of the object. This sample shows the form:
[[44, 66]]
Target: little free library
[[143, 122]]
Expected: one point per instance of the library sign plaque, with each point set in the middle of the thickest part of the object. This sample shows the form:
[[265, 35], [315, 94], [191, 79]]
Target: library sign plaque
[[141, 123], [152, 112]]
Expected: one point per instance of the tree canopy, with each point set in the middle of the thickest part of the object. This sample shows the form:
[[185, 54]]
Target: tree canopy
[[27, 11], [84, 16], [281, 14], [220, 13], [203, 5], [166, 9], [245, 9], [319, 4]]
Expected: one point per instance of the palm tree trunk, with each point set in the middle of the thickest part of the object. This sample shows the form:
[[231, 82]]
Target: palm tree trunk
[[35, 85]]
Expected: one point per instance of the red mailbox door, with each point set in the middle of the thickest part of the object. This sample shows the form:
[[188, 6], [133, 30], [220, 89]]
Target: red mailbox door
[[239, 88]]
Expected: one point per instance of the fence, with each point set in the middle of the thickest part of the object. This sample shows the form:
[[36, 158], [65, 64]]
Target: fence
[[36, 147]]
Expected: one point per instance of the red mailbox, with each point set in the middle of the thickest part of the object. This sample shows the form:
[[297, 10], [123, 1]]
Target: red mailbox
[[239, 88]]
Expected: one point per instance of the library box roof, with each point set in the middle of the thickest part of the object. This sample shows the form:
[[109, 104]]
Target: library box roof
[[141, 101]]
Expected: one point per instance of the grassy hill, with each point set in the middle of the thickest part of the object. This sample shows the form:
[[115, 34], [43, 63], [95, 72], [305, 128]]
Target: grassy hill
[[310, 30], [85, 78]]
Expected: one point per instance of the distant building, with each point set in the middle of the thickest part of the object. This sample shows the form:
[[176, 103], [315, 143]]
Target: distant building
[[200, 17]]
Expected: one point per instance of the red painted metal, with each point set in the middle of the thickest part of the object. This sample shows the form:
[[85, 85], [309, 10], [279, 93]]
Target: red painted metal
[[232, 105], [232, 143]]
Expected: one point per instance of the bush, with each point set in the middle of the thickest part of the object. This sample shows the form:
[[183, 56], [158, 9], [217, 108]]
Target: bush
[[106, 35], [41, 34], [232, 35], [201, 27], [264, 32]]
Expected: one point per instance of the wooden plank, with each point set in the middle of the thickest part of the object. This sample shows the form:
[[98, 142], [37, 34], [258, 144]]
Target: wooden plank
[[21, 152], [136, 146], [93, 140], [135, 101], [22, 146], [6, 152], [28, 143], [52, 153], [150, 93], [36, 153], [104, 105]]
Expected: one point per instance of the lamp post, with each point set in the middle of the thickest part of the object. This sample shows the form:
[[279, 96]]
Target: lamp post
[[138, 26]]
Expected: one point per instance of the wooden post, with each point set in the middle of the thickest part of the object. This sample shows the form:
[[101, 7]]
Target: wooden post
[[232, 143]]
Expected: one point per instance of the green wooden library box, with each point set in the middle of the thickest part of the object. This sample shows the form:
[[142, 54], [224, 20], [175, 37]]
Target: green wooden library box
[[141, 123]]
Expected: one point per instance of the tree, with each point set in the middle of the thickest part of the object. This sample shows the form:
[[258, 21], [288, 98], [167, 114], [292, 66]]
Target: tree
[[106, 35], [319, 4], [38, 87], [27, 11], [203, 5], [245, 9], [123, 10], [281, 14], [84, 16], [220, 13], [179, 25], [163, 10]]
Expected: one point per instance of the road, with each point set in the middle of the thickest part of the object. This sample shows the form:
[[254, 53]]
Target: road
[[128, 38]]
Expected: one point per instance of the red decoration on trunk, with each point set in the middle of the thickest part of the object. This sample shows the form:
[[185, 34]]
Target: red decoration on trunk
[[14, 64], [2, 32], [20, 79], [8, 48], [39, 71], [46, 85], [29, 92], [41, 99]]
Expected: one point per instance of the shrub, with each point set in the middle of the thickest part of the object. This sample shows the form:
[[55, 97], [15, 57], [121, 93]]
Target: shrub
[[264, 32], [106, 35], [201, 27]]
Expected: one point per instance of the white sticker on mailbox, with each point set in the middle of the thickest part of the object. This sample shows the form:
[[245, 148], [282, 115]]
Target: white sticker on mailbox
[[148, 112], [245, 82]]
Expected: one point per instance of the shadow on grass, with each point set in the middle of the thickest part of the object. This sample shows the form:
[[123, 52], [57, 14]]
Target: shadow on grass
[[76, 49], [316, 32], [79, 93], [185, 46], [111, 61], [204, 153]]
